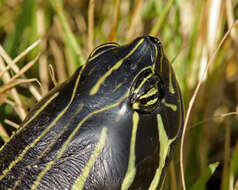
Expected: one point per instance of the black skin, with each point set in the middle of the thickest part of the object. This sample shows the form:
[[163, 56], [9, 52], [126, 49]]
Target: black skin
[[110, 167]]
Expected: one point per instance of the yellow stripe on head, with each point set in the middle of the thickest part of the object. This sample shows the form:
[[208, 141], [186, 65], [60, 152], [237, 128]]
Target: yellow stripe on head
[[112, 44], [100, 81], [143, 82], [95, 54]]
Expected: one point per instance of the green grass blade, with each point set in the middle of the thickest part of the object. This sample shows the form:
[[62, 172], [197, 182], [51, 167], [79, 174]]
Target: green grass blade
[[234, 167], [74, 50], [3, 138], [200, 184], [1, 3], [16, 42], [154, 31]]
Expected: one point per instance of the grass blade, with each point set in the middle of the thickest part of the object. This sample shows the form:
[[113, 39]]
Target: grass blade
[[74, 50], [200, 184]]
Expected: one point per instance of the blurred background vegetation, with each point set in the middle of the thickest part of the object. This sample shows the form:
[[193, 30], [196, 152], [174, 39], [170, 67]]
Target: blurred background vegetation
[[190, 31]]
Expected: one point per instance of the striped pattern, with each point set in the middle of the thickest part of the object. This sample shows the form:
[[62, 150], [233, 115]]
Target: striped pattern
[[117, 65], [164, 151], [79, 183], [33, 117], [38, 138], [131, 171], [66, 143], [83, 113], [101, 50]]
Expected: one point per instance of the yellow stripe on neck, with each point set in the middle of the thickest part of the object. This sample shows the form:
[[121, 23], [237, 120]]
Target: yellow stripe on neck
[[131, 171], [164, 151], [80, 181]]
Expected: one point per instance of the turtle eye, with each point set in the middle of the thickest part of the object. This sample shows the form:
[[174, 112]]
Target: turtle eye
[[147, 93], [150, 97]]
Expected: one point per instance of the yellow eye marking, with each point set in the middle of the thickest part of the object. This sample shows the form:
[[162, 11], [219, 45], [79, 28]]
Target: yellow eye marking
[[151, 102], [164, 151], [100, 81], [131, 170], [80, 181], [151, 92]]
